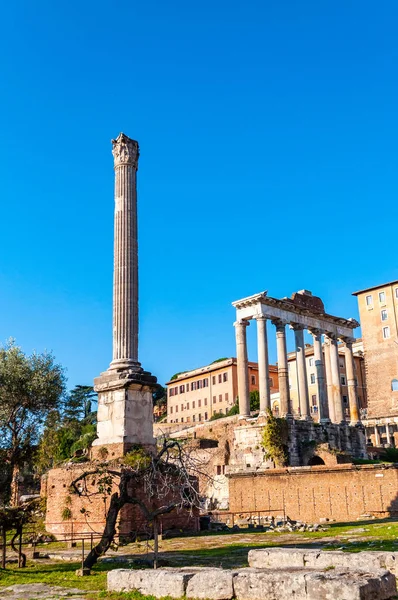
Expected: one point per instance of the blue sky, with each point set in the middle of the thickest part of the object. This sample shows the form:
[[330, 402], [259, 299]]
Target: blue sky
[[268, 135]]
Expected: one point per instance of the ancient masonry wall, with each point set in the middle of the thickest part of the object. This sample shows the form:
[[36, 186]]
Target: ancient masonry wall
[[56, 487], [342, 492]]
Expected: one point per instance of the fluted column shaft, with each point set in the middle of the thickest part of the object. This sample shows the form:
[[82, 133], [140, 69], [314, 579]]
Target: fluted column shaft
[[263, 364], [283, 371], [125, 273], [304, 399], [336, 383], [351, 382], [242, 367], [323, 405]]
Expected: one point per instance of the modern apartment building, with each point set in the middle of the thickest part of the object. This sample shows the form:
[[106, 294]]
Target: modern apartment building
[[378, 311], [195, 396], [359, 367]]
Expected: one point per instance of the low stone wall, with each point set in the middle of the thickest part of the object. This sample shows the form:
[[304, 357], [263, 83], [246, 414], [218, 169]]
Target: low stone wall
[[255, 584], [340, 493]]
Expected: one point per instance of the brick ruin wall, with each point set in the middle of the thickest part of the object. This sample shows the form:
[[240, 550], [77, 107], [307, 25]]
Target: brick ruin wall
[[340, 493], [56, 487]]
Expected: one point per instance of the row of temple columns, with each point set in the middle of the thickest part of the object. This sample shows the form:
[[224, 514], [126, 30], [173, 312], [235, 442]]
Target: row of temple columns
[[327, 372]]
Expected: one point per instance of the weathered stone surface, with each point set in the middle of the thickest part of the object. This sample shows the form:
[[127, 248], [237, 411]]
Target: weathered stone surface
[[279, 558], [32, 591], [343, 585], [254, 584], [209, 584], [159, 583]]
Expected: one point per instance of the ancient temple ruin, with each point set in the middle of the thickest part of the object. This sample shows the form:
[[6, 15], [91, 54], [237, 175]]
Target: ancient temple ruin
[[301, 311]]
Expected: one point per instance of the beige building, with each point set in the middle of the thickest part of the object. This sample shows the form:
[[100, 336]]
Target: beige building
[[195, 396], [378, 311], [359, 368]]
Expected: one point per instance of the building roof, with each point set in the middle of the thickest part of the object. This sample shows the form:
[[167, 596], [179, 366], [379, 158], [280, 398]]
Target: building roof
[[375, 287], [215, 366]]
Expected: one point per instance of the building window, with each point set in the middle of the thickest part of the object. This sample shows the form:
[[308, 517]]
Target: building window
[[193, 404], [182, 389], [187, 387], [386, 332], [396, 292], [214, 380], [171, 392], [205, 401], [341, 363], [189, 419], [313, 400], [226, 397], [369, 300], [345, 399], [205, 416], [182, 419], [193, 386], [220, 398], [199, 403], [214, 399], [199, 417], [253, 379], [219, 378], [382, 296], [225, 377], [206, 383], [177, 408], [187, 405], [200, 384], [193, 418], [171, 410], [342, 379], [384, 315], [271, 382], [311, 362], [394, 385], [182, 407], [312, 377], [176, 421]]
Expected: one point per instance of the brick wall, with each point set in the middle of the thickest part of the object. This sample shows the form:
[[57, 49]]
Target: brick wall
[[342, 493]]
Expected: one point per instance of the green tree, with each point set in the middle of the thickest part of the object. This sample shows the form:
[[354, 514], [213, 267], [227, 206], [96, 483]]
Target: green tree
[[30, 388], [78, 404]]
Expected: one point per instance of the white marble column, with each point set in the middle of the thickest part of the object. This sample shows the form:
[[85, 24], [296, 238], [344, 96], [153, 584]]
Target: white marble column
[[125, 275], [329, 385], [335, 377], [388, 434], [377, 437], [283, 371], [263, 365], [351, 382], [302, 381], [242, 367], [323, 405]]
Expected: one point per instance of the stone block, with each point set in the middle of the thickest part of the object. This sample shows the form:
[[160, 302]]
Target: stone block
[[158, 583], [303, 584], [279, 558], [211, 584]]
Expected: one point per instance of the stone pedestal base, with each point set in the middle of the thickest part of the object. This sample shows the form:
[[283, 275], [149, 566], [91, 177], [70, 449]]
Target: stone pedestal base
[[125, 412]]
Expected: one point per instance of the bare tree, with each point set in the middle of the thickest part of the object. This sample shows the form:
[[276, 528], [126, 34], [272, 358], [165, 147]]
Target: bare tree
[[157, 484]]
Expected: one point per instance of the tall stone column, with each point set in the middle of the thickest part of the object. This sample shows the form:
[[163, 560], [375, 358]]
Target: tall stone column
[[263, 364], [283, 371], [377, 437], [125, 269], [351, 382], [304, 398], [125, 408], [320, 377], [336, 383], [243, 368], [329, 384]]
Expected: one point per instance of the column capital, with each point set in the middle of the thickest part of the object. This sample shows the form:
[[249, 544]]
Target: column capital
[[315, 332], [125, 151], [242, 323], [297, 326], [347, 341], [279, 324], [330, 337], [260, 318]]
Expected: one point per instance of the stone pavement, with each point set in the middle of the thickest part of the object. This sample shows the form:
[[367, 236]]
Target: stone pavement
[[40, 591]]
